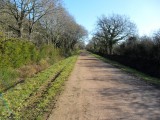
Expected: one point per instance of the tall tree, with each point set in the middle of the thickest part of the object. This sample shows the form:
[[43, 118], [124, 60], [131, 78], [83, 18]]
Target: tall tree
[[27, 10], [18, 9], [113, 29], [40, 8], [62, 30]]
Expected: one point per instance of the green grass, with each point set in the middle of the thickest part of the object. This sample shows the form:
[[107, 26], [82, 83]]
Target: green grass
[[22, 95], [147, 78], [55, 88]]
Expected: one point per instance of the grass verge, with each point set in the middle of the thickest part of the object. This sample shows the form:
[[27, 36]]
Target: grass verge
[[30, 99], [142, 76]]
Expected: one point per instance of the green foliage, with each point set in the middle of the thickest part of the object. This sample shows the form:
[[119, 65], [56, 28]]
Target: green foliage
[[50, 53], [15, 52]]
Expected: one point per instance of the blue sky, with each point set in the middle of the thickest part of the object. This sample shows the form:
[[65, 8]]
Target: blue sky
[[144, 13]]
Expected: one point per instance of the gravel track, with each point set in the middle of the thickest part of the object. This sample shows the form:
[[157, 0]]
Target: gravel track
[[98, 91]]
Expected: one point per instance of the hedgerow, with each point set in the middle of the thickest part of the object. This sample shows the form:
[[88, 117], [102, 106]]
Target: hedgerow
[[16, 53]]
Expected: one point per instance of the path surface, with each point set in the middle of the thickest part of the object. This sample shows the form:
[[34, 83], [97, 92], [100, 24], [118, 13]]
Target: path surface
[[99, 91]]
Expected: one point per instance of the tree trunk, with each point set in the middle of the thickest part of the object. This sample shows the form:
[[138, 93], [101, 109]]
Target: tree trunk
[[29, 33], [20, 31], [110, 49]]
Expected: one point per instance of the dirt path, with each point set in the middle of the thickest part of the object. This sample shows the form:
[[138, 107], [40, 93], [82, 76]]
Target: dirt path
[[99, 91]]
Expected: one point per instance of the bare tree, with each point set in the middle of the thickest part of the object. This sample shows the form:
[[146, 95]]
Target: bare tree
[[40, 8], [113, 29], [62, 30], [157, 37], [18, 9], [27, 10]]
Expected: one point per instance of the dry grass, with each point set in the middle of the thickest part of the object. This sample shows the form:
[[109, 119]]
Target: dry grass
[[31, 69]]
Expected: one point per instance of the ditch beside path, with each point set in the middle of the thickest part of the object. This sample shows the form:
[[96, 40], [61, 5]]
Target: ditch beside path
[[98, 91]]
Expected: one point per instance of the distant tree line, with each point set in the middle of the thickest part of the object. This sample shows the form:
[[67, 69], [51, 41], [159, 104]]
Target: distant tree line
[[116, 38]]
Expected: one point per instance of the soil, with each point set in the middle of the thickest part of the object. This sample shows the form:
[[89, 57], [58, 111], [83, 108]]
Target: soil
[[99, 91]]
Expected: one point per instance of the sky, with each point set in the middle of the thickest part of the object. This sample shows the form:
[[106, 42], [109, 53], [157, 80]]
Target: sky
[[144, 13]]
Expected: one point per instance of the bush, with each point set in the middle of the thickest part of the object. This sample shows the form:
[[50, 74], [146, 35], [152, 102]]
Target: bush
[[15, 52], [50, 53]]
